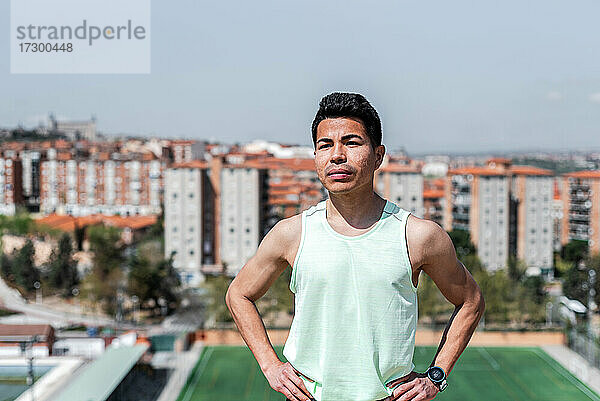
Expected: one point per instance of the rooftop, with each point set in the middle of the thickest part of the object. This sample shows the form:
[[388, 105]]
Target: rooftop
[[68, 223], [583, 174], [100, 378]]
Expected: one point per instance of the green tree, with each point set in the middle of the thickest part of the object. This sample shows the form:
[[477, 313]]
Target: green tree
[[516, 269], [152, 281], [107, 274], [499, 295], [279, 297], [19, 224], [26, 274], [63, 273], [462, 243], [593, 262], [575, 251], [214, 299], [561, 266], [6, 267], [573, 284], [106, 244]]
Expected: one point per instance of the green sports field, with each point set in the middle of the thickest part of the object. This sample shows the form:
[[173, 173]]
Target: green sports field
[[226, 373]]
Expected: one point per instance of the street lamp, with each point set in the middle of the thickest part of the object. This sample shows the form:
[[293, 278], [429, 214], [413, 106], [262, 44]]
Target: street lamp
[[591, 295], [38, 293], [75, 292], [24, 345], [119, 316], [135, 300], [163, 305]]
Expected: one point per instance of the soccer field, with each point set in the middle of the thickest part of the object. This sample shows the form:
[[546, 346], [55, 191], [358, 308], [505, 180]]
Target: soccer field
[[226, 373]]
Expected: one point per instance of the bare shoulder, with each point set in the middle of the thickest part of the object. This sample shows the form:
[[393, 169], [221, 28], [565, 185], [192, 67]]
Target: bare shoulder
[[426, 240], [286, 235]]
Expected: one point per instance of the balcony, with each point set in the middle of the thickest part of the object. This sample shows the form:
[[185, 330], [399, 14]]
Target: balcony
[[460, 226], [460, 216], [579, 217], [580, 207]]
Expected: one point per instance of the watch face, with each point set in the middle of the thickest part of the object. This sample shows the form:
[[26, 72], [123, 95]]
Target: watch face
[[436, 374]]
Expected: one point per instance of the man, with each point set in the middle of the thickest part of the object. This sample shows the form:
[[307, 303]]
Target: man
[[355, 261]]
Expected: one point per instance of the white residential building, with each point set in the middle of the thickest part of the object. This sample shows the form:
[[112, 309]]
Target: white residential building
[[183, 219], [242, 206]]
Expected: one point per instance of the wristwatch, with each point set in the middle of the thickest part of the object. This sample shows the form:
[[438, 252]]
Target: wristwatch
[[438, 377]]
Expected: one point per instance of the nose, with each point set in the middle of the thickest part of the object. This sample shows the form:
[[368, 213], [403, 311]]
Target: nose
[[338, 155]]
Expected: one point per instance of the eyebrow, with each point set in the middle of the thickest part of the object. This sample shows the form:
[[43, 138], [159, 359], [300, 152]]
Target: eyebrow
[[348, 136]]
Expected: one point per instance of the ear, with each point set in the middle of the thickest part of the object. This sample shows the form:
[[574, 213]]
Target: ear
[[379, 155]]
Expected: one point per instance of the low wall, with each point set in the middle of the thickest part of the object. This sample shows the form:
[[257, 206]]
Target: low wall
[[423, 337]]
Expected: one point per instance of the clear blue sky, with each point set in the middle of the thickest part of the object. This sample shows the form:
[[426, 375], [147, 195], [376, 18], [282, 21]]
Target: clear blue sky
[[458, 76]]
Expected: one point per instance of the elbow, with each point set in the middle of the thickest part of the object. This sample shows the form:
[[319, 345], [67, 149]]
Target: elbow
[[480, 304], [229, 295]]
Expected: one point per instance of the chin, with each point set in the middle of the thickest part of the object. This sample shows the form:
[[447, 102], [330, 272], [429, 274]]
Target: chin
[[340, 187]]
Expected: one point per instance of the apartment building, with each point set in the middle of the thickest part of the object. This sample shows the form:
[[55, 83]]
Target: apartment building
[[580, 196], [31, 161], [11, 192], [189, 219], [477, 200], [293, 186], [507, 211], [243, 210], [532, 194], [434, 200], [126, 184], [401, 184]]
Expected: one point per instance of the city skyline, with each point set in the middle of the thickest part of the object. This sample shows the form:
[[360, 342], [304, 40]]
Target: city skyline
[[498, 82]]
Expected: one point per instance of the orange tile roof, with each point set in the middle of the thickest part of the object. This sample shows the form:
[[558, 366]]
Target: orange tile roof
[[583, 174], [181, 142], [433, 193], [68, 223], [282, 202], [476, 171], [291, 164], [399, 168], [63, 156], [192, 164], [530, 170]]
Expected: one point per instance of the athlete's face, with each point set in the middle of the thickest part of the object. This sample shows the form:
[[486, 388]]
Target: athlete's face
[[344, 158]]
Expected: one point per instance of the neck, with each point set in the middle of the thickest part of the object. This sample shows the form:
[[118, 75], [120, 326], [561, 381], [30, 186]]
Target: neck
[[360, 210]]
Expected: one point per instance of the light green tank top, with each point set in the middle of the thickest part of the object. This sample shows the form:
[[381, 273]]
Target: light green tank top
[[355, 307]]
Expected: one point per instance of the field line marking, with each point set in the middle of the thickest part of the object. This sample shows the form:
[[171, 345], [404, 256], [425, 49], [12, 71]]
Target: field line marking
[[576, 383], [489, 358], [203, 363]]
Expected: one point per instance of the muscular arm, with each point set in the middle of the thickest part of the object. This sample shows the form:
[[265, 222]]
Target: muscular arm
[[250, 284], [431, 249]]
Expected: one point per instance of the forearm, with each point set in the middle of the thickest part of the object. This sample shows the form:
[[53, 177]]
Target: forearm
[[252, 329], [457, 334]]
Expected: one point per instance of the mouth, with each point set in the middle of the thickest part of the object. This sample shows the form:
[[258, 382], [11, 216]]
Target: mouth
[[339, 174]]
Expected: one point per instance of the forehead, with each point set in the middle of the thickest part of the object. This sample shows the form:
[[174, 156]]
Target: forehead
[[331, 127]]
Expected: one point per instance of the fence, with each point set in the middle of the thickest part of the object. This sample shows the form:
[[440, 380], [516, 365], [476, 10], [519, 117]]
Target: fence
[[585, 346]]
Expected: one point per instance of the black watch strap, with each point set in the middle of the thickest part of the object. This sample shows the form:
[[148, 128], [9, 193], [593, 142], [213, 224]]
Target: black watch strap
[[438, 377]]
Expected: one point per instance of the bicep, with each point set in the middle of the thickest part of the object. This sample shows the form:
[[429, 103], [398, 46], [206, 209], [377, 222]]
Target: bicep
[[264, 267]]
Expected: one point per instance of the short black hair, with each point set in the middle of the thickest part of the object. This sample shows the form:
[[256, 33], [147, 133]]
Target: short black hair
[[344, 104]]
